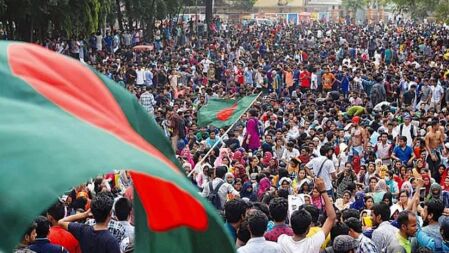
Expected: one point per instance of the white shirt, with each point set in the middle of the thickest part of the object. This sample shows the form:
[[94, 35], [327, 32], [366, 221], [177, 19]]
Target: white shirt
[[306, 245], [288, 155], [206, 63], [140, 76], [437, 93], [383, 235], [326, 171], [222, 192], [260, 245], [405, 132], [314, 81]]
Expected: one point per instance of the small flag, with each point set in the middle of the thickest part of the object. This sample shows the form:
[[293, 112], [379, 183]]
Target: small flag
[[224, 112], [61, 124]]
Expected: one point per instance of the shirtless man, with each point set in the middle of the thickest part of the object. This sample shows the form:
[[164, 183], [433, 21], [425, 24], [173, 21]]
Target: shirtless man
[[359, 138], [434, 145]]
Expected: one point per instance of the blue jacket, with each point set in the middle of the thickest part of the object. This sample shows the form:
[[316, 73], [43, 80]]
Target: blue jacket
[[429, 242], [43, 245]]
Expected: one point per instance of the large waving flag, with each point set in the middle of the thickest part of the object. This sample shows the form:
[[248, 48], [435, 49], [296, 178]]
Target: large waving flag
[[224, 112], [62, 124]]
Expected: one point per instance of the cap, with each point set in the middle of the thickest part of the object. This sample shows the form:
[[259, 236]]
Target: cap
[[344, 243], [356, 119]]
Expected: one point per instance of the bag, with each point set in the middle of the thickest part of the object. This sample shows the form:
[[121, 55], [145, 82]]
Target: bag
[[213, 195], [321, 168], [412, 130]]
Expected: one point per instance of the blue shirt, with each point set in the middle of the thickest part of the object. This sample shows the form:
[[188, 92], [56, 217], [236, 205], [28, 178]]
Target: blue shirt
[[403, 154]]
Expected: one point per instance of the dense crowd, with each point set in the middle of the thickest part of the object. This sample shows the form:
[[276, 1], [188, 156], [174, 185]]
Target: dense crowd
[[345, 150]]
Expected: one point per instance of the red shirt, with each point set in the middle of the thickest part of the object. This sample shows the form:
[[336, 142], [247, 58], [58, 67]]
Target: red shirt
[[305, 79], [64, 238], [277, 231]]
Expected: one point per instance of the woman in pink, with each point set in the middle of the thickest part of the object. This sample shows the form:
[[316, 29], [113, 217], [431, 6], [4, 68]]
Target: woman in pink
[[223, 153], [252, 138], [264, 186]]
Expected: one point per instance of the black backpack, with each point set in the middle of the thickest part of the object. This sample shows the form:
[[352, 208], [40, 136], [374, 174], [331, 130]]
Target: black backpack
[[213, 195]]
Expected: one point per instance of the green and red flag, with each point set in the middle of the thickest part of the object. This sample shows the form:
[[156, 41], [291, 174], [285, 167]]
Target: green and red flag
[[223, 112], [61, 124]]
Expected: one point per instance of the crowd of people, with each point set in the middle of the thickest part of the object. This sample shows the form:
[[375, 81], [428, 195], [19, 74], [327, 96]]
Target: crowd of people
[[351, 124]]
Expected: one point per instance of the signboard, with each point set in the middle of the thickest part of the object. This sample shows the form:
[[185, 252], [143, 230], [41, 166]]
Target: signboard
[[324, 2], [294, 202]]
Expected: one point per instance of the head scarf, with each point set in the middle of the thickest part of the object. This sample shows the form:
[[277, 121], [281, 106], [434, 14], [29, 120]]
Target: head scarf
[[238, 156], [266, 158], [245, 194], [359, 202], [407, 185], [223, 153], [381, 186], [185, 152], [229, 174], [426, 186], [241, 172], [264, 186], [433, 187]]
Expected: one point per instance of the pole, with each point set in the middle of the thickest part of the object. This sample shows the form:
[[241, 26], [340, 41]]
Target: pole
[[225, 133]]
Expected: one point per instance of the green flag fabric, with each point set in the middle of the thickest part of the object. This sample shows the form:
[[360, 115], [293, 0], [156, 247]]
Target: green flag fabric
[[61, 124], [223, 112]]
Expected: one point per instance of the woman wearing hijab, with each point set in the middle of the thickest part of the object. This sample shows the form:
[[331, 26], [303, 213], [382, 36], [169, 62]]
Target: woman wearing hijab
[[229, 178], [435, 192], [379, 191], [273, 166], [445, 184], [238, 156], [407, 187], [359, 203], [247, 192], [286, 184], [264, 186], [240, 172], [316, 199], [427, 183], [266, 159], [223, 153]]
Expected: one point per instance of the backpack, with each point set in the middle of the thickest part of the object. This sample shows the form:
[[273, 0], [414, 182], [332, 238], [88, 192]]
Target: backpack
[[412, 130], [213, 195]]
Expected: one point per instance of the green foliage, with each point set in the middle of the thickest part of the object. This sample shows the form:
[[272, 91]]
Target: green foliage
[[27, 18], [418, 8]]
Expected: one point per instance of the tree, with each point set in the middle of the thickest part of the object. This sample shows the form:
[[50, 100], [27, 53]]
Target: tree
[[353, 6], [245, 5], [417, 8]]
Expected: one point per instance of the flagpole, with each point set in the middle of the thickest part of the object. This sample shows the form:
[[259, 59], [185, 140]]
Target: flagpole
[[225, 133]]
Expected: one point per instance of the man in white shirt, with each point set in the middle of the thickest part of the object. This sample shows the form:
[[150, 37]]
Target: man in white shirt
[[385, 233], [257, 225], [323, 167], [437, 95], [223, 187], [406, 129], [140, 79], [301, 221], [289, 153]]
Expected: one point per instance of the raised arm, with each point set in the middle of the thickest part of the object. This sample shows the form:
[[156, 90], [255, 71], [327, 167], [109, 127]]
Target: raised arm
[[64, 222], [330, 212]]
